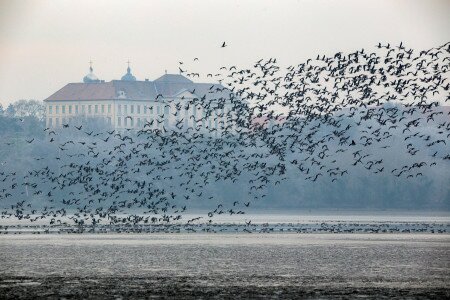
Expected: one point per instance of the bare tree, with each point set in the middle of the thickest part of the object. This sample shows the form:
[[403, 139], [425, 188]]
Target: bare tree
[[29, 108]]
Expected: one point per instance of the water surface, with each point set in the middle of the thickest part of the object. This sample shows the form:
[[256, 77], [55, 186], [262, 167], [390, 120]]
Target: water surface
[[225, 265]]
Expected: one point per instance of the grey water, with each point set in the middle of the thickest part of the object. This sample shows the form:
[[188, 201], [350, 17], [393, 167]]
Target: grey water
[[227, 265]]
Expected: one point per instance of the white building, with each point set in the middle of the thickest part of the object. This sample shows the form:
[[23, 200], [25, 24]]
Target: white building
[[170, 100]]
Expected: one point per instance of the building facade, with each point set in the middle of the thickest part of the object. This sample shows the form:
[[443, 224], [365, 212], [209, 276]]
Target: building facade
[[170, 100]]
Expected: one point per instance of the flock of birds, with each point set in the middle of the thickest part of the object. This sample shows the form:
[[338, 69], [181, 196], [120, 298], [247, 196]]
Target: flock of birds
[[318, 120]]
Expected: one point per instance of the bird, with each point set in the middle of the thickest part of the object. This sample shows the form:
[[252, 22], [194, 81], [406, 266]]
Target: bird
[[235, 136]]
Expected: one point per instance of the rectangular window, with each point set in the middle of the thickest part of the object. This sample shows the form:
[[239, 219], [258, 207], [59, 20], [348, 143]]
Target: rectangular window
[[166, 110], [145, 109], [76, 109], [132, 109], [63, 109], [56, 122], [109, 108], [103, 109], [109, 120], [70, 109], [50, 110], [89, 109], [119, 121], [125, 109], [96, 109], [158, 110], [132, 122], [50, 122], [83, 109], [138, 109], [119, 108], [57, 109], [125, 121]]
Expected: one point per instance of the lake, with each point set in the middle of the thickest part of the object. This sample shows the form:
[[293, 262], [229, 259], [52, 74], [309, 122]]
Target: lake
[[225, 265]]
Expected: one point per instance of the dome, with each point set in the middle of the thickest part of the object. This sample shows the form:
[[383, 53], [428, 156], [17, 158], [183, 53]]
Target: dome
[[128, 76], [90, 77]]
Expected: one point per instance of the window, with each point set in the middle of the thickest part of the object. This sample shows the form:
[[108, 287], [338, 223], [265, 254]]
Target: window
[[50, 122], [145, 109], [63, 109], [70, 109], [89, 109], [57, 109], [158, 110], [56, 121], [125, 108], [109, 120], [166, 110], [50, 110], [125, 121], [76, 109], [132, 122], [96, 109], [138, 109], [83, 109], [132, 109], [119, 108], [109, 108], [119, 121], [103, 109]]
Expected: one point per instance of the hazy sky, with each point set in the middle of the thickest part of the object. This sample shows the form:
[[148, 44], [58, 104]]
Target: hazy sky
[[46, 44]]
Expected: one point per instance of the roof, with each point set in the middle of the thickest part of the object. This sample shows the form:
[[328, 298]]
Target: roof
[[85, 91], [169, 85], [173, 78]]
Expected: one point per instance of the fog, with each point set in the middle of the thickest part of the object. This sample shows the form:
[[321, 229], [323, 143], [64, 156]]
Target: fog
[[46, 44]]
